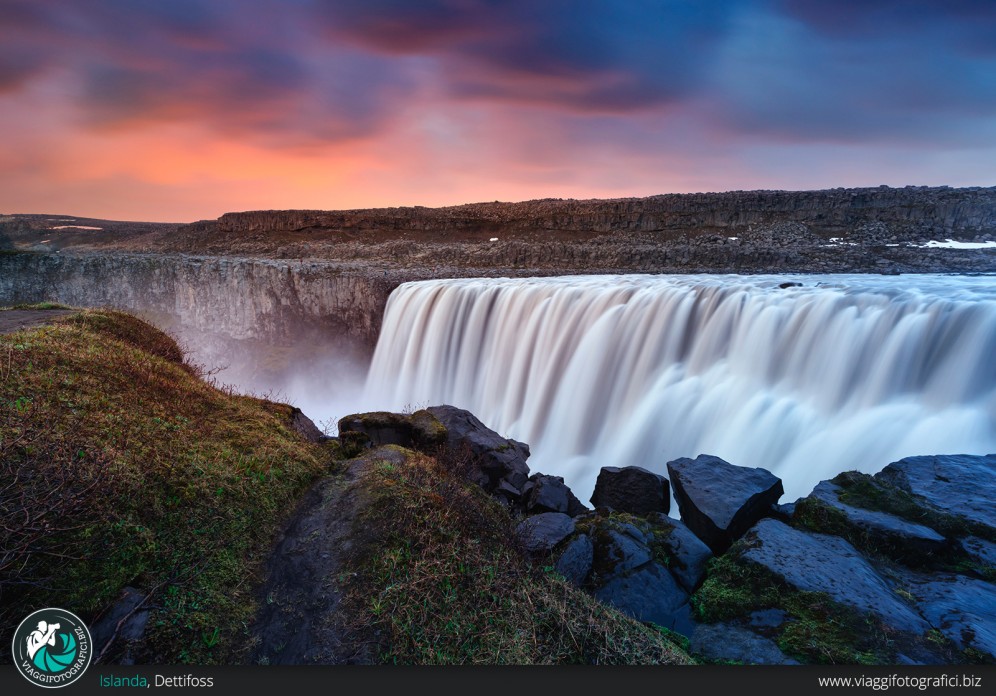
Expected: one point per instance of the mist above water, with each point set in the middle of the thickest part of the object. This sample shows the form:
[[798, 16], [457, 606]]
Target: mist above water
[[841, 373], [321, 376]]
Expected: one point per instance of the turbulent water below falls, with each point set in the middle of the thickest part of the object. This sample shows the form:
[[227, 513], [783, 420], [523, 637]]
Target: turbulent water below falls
[[842, 372]]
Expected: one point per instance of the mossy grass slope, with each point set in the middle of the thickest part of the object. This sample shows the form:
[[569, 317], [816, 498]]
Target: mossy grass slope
[[439, 580], [122, 466]]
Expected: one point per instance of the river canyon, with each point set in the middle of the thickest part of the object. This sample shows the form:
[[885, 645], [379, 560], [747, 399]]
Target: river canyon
[[806, 333]]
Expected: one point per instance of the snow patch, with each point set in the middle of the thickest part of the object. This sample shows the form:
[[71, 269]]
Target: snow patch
[[74, 227], [952, 244]]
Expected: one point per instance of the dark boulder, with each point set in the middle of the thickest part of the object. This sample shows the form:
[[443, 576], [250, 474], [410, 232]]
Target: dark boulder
[[576, 559], [305, 427], [540, 533], [689, 554], [616, 553], [649, 594], [631, 489], [551, 494], [719, 501], [723, 641], [508, 494], [822, 563], [486, 457], [633, 532], [960, 485]]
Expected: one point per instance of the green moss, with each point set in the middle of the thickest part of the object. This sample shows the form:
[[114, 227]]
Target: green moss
[[429, 431], [37, 305]]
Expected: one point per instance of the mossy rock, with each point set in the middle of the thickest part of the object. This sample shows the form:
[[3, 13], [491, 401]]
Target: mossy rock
[[870, 493], [421, 430], [815, 629]]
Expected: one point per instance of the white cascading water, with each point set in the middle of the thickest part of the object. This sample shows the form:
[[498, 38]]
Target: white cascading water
[[841, 373]]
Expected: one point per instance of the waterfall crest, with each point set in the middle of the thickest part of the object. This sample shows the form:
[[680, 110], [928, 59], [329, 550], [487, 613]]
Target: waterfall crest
[[841, 372]]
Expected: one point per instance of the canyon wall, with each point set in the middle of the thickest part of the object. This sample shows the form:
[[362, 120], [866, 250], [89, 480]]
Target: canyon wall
[[910, 210], [265, 319]]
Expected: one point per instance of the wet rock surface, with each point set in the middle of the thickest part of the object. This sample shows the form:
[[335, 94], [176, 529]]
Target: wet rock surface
[[882, 527], [648, 594], [732, 643], [689, 554], [540, 533], [823, 563], [719, 501], [963, 609], [959, 485], [576, 560]]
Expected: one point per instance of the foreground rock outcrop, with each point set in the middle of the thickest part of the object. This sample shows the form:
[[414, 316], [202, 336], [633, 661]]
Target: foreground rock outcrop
[[893, 568]]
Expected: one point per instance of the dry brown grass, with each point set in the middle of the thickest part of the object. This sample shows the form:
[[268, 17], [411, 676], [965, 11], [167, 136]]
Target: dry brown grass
[[123, 467], [441, 581]]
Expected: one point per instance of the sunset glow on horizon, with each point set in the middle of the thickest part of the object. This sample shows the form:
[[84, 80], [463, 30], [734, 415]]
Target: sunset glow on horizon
[[185, 110]]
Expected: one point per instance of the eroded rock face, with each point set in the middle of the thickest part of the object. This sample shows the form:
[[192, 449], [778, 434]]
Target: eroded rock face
[[719, 501], [823, 563], [632, 489], [305, 426], [939, 208]]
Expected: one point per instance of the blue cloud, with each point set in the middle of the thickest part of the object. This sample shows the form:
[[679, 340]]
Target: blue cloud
[[848, 70]]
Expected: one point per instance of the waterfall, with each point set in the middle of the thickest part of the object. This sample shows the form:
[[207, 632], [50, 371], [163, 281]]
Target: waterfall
[[840, 372]]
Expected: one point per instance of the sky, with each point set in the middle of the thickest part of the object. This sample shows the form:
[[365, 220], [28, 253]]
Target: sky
[[178, 110]]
